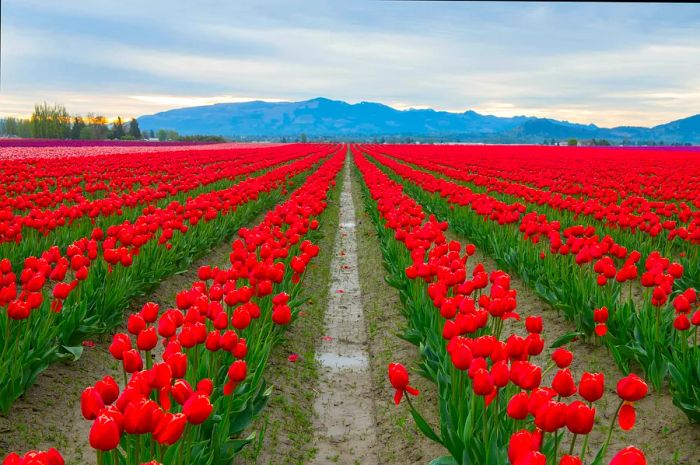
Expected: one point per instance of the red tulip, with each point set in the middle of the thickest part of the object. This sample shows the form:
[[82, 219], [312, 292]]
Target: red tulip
[[91, 403], [282, 315], [170, 428], [147, 339], [518, 406], [630, 455], [120, 344], [632, 388], [132, 361], [626, 417], [533, 324], [398, 377], [108, 389], [562, 357], [564, 383], [579, 417], [105, 433], [570, 460], [197, 409], [591, 386]]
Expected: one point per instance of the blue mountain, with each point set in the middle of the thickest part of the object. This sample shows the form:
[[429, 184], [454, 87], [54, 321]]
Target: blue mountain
[[322, 117]]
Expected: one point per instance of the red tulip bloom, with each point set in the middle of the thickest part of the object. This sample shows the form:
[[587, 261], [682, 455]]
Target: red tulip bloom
[[197, 409], [564, 383], [120, 344], [521, 444], [518, 406], [398, 376], [551, 416], [579, 417], [570, 460], [533, 324], [170, 428], [591, 386], [91, 403], [632, 388], [482, 383], [562, 357], [132, 361], [630, 455], [108, 389], [626, 417], [282, 315], [105, 433], [147, 339]]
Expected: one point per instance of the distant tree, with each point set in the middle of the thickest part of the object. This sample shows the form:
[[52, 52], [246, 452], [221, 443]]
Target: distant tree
[[572, 143], [134, 129], [118, 128], [162, 135], [50, 122], [87, 133], [303, 137], [11, 127], [98, 127], [77, 127]]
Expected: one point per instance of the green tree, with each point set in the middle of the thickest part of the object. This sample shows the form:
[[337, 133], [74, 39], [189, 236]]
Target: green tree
[[98, 126], [572, 142], [87, 133], [78, 125], [134, 130], [118, 128], [50, 122]]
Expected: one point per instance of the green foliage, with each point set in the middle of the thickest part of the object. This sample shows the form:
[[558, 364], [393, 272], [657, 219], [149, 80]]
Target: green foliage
[[78, 126], [50, 122], [134, 130]]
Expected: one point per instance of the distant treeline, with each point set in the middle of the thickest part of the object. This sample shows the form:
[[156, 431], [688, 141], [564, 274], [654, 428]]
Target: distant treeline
[[54, 122]]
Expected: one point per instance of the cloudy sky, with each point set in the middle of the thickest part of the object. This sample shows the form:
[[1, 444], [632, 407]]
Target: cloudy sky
[[608, 64]]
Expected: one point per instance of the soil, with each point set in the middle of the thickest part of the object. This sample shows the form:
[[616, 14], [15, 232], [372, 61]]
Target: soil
[[345, 431], [399, 439]]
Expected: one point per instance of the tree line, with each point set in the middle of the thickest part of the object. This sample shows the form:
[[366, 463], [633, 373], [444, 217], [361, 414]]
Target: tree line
[[54, 122]]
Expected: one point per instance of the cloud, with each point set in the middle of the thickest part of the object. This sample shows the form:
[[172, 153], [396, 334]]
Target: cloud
[[585, 63]]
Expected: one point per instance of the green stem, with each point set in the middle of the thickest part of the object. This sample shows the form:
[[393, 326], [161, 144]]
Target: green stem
[[612, 426], [573, 442]]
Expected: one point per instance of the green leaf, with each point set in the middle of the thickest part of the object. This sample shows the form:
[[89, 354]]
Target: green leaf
[[565, 339], [75, 352], [424, 426], [444, 460]]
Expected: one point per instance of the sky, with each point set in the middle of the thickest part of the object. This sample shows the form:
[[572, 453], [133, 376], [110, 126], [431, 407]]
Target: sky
[[607, 64]]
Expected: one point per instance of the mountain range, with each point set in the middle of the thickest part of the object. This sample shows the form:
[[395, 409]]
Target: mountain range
[[335, 119]]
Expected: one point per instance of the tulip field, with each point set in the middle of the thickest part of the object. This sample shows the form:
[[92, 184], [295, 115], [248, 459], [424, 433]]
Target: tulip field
[[546, 295]]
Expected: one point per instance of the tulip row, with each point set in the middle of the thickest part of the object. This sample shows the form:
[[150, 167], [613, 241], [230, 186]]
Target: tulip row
[[658, 333], [632, 189], [494, 407], [195, 405], [60, 298], [632, 224], [122, 187]]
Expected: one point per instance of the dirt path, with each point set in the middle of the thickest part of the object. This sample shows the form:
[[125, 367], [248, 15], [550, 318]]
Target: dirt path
[[401, 443], [345, 427]]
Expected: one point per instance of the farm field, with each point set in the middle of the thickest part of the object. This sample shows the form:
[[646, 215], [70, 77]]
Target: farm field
[[317, 303]]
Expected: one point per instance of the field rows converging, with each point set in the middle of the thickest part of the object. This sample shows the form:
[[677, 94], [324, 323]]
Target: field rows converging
[[349, 303]]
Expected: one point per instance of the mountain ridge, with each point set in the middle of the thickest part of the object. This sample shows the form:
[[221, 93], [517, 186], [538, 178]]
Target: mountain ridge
[[321, 117]]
